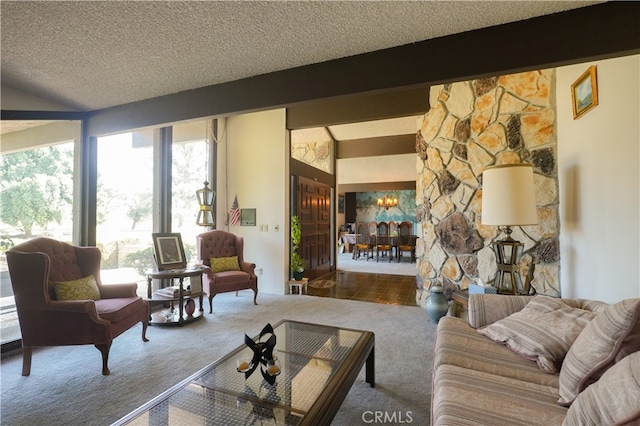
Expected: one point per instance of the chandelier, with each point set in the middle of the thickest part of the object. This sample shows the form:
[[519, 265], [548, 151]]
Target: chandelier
[[387, 202]]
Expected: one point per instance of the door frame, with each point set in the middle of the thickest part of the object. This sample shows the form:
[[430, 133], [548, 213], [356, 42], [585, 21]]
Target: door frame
[[299, 169]]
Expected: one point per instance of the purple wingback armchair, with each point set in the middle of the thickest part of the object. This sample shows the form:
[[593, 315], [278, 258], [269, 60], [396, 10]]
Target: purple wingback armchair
[[35, 266], [218, 243]]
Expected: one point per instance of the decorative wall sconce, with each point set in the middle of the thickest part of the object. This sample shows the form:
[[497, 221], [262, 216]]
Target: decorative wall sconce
[[508, 199], [206, 197], [387, 202]]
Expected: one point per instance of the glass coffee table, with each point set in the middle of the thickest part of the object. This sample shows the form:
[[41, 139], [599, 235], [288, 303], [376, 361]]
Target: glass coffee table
[[318, 366]]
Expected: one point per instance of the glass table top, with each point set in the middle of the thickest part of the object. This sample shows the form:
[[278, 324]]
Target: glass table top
[[309, 357]]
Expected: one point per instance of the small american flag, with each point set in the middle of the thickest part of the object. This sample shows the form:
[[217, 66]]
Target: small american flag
[[234, 213]]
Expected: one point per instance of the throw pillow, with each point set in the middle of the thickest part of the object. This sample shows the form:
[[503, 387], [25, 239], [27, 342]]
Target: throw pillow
[[221, 264], [613, 334], [81, 289], [613, 400], [542, 331]]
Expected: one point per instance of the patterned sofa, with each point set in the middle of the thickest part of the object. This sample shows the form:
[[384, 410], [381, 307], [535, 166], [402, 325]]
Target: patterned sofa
[[536, 360]]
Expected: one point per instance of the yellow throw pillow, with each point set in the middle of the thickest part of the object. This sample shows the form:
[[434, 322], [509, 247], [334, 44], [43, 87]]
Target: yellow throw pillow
[[82, 289], [221, 264]]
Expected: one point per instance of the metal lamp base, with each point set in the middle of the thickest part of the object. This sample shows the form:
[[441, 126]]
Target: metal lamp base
[[508, 254]]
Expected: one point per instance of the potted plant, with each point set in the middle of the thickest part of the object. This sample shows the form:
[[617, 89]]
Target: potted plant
[[296, 263]]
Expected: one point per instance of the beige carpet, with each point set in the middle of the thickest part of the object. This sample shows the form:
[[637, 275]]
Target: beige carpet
[[345, 262], [66, 387]]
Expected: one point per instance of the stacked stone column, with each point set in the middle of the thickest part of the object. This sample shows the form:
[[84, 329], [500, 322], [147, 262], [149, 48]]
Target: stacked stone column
[[472, 125]]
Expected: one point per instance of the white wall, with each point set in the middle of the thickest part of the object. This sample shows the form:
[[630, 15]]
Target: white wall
[[598, 163], [383, 168], [256, 147]]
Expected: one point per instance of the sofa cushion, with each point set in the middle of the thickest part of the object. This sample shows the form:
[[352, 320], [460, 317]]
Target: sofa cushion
[[611, 335], [613, 400], [222, 264], [80, 289], [485, 309], [459, 344], [543, 331], [464, 396]]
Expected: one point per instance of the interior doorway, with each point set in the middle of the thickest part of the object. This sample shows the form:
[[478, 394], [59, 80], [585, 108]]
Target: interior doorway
[[314, 212]]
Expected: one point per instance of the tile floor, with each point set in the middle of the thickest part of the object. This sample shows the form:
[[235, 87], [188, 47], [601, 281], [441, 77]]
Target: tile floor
[[376, 288]]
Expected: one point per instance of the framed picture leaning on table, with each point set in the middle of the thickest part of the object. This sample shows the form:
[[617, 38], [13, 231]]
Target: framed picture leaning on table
[[168, 251]]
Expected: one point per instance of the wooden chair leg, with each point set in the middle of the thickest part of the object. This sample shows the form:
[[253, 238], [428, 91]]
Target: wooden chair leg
[[104, 350], [255, 296], [26, 361], [145, 324]]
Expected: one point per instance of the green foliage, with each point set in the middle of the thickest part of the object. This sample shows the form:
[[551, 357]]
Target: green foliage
[[296, 232], [6, 243], [139, 209], [141, 260], [36, 187], [296, 263]]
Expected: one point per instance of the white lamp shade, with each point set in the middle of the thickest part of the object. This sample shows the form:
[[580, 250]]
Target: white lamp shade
[[508, 195]]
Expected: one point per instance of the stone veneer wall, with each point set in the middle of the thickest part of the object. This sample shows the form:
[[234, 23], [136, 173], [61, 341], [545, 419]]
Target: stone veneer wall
[[472, 125], [316, 154]]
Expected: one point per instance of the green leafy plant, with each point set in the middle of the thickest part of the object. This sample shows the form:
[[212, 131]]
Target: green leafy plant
[[296, 263]]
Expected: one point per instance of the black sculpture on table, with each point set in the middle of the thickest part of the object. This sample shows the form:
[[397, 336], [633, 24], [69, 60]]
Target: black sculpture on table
[[263, 355]]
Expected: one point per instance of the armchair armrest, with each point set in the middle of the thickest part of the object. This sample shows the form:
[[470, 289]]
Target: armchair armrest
[[79, 306], [112, 291], [485, 309], [248, 267], [208, 272], [85, 307], [73, 322]]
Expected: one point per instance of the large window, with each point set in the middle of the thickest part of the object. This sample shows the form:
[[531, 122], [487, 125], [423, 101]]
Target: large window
[[189, 172], [40, 193], [125, 205], [36, 194], [125, 197]]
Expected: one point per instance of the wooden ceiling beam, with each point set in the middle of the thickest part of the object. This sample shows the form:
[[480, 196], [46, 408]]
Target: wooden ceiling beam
[[373, 147], [358, 108]]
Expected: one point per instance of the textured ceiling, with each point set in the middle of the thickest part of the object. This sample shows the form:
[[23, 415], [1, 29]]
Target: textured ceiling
[[95, 54]]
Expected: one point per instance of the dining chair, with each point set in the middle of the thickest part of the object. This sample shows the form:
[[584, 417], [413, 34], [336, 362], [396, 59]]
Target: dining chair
[[363, 242], [406, 241], [383, 245], [393, 236], [373, 235]]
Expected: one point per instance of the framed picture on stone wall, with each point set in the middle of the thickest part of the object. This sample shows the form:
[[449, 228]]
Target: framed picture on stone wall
[[584, 92]]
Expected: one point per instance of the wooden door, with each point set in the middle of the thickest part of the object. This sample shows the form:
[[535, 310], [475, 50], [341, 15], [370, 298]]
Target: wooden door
[[314, 211]]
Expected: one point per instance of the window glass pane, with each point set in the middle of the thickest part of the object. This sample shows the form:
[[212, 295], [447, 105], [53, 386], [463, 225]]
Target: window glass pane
[[314, 147], [124, 207], [36, 195], [190, 151]]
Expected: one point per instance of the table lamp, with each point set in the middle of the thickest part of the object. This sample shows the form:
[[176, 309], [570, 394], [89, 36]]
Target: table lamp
[[508, 199]]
